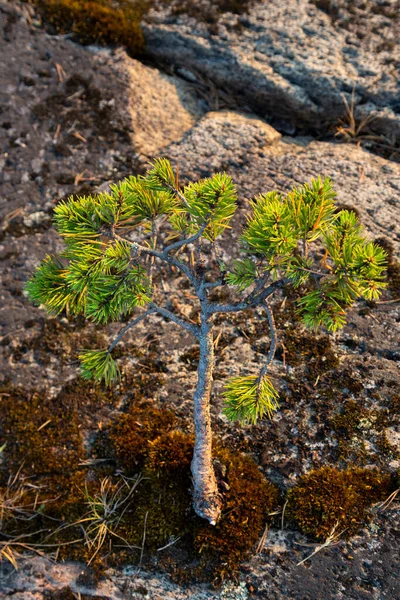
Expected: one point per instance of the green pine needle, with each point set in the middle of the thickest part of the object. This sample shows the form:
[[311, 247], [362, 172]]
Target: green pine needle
[[104, 277], [99, 365], [243, 274], [212, 200], [248, 400]]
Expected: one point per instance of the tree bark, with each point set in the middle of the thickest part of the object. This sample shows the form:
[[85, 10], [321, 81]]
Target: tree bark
[[206, 498]]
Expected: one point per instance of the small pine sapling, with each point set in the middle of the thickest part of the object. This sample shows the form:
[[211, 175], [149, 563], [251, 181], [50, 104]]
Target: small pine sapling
[[105, 276]]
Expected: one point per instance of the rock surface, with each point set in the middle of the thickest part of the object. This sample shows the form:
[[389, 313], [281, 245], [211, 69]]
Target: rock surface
[[95, 94], [258, 160], [162, 107], [290, 60]]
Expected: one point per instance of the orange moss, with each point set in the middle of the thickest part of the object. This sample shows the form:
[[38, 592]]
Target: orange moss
[[248, 498], [170, 452], [327, 498], [132, 432], [97, 21]]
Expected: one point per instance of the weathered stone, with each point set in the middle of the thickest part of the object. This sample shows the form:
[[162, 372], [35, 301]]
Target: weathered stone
[[221, 139], [251, 152], [291, 60], [162, 107]]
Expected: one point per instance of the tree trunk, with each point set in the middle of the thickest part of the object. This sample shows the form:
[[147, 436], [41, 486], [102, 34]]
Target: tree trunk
[[206, 498]]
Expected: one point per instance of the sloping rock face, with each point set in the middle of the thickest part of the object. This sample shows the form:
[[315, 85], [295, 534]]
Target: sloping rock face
[[258, 159], [291, 61], [162, 107], [106, 98]]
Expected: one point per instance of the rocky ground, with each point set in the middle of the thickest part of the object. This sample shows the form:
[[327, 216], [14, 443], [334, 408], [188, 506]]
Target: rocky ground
[[256, 95]]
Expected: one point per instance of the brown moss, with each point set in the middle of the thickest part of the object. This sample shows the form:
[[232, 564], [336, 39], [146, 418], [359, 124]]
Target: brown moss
[[132, 432], [104, 22], [248, 498], [145, 439], [170, 452], [43, 444], [314, 351], [327, 498], [41, 435]]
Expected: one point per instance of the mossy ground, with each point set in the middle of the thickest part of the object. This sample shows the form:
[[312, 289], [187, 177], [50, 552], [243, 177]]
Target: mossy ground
[[327, 500], [44, 442], [105, 22], [47, 439], [118, 22]]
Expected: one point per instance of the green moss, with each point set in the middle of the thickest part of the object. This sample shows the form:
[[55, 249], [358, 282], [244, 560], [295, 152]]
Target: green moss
[[385, 448], [327, 498], [355, 425], [104, 22], [347, 422]]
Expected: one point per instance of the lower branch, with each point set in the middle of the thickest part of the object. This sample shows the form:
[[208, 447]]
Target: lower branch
[[248, 302], [173, 317], [128, 326], [153, 309]]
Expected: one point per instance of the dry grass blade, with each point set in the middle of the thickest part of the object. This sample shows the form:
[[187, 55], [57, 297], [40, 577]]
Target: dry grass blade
[[6, 552], [331, 540], [349, 128], [357, 132], [106, 509], [13, 502], [381, 506], [261, 543], [9, 549]]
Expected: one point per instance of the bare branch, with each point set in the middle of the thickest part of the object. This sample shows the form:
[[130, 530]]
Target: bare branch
[[213, 284], [171, 260], [175, 191], [260, 282], [128, 326], [249, 302], [272, 349], [185, 241], [173, 317]]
